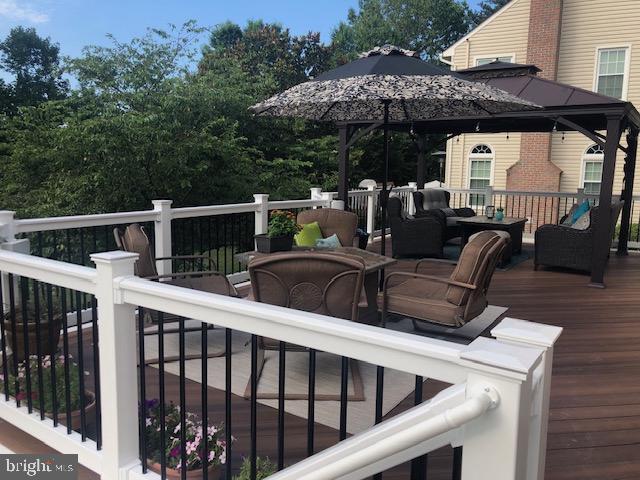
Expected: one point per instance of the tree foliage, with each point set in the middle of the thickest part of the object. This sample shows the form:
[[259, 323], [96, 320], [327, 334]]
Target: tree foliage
[[486, 8]]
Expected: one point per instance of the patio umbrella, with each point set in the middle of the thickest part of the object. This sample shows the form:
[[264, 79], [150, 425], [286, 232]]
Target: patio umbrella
[[388, 85]]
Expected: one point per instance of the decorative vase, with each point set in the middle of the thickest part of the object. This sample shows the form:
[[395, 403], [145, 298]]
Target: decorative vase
[[499, 215], [45, 340], [267, 244], [174, 474]]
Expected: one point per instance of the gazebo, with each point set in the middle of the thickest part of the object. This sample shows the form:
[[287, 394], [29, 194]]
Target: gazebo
[[600, 118]]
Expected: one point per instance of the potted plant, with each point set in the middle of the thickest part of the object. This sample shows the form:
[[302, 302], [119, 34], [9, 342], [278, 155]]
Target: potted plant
[[50, 363], [172, 450], [282, 228], [47, 330], [264, 469], [499, 214]]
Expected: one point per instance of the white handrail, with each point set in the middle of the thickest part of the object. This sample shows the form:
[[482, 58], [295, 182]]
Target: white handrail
[[396, 440], [82, 221]]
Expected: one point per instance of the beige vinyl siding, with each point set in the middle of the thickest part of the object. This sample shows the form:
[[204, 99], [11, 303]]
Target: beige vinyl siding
[[506, 153], [505, 34], [587, 26]]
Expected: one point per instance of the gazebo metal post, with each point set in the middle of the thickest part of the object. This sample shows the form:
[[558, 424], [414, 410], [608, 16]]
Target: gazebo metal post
[[602, 233], [421, 167], [627, 192], [384, 195], [343, 166]]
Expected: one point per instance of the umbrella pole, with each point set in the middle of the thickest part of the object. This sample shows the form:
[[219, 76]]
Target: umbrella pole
[[385, 177]]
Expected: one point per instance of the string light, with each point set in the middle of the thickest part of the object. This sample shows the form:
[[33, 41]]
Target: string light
[[563, 136], [478, 127], [555, 126], [507, 136]]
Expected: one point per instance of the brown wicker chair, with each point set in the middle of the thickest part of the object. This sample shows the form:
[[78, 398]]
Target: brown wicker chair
[[566, 247], [414, 237], [331, 220], [325, 283], [449, 301], [435, 202]]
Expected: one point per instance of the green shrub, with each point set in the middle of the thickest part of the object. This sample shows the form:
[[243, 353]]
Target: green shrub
[[264, 468]]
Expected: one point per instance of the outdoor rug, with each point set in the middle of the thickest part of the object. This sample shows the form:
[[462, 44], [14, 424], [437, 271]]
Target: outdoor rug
[[361, 391]]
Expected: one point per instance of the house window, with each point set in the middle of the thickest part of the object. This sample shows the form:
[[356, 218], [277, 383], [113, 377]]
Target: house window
[[611, 72], [484, 61], [480, 166], [592, 169]]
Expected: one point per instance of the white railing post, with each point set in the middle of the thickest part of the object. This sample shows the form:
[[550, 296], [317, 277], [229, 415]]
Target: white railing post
[[162, 227], [488, 196], [7, 226], [118, 373], [9, 242], [520, 332], [506, 428], [413, 186], [316, 194], [327, 199], [262, 213], [580, 196], [371, 211]]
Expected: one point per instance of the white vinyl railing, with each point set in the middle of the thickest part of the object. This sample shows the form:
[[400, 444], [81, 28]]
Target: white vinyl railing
[[497, 406]]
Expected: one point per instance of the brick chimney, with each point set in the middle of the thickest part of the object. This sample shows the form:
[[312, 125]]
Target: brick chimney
[[535, 171]]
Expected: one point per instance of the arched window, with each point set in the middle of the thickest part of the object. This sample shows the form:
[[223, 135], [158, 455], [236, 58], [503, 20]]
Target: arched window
[[592, 159], [480, 167]]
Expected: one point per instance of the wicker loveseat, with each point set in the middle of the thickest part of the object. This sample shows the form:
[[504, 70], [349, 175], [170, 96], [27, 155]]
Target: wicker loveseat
[[563, 246], [414, 237], [435, 202]]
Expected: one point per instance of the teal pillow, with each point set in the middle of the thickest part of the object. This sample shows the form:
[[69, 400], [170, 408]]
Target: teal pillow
[[308, 235], [581, 210], [330, 242]]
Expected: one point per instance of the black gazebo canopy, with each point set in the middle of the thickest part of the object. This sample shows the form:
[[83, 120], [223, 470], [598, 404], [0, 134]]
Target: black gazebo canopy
[[565, 107]]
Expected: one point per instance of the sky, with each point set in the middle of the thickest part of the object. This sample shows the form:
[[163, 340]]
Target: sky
[[76, 23]]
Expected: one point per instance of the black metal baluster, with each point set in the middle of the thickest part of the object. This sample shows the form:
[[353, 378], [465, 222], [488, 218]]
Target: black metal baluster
[[3, 333], [53, 348], [183, 403], [281, 395], [232, 246], [227, 401], [457, 464], [80, 336], [193, 237], [36, 306], [379, 400], [142, 419], [24, 296], [254, 405], [312, 403], [163, 439], [224, 236], [205, 399], [218, 245], [344, 385], [94, 238], [65, 343], [96, 370], [14, 336], [418, 465]]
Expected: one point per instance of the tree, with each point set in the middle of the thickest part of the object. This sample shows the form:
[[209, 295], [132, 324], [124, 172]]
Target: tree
[[486, 9], [34, 63], [426, 26]]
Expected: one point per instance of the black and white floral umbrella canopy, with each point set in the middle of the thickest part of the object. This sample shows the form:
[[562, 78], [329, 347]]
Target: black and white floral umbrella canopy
[[413, 89]]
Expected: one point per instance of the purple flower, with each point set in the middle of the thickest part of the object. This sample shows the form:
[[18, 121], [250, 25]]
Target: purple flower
[[175, 451], [152, 403]]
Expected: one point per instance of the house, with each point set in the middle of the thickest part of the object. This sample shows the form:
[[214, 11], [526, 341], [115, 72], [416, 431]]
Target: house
[[588, 44]]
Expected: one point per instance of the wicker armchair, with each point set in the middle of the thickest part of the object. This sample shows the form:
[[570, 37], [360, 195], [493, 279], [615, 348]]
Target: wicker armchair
[[344, 224], [566, 247], [414, 237], [435, 202]]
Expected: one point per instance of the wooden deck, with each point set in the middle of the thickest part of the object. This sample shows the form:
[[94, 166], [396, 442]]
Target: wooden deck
[[594, 433]]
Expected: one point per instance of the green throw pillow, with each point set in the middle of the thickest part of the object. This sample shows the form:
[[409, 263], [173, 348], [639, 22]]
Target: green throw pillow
[[308, 235]]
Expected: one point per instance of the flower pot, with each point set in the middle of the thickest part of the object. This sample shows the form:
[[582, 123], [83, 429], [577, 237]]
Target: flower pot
[[45, 343], [89, 409], [267, 244], [174, 474]]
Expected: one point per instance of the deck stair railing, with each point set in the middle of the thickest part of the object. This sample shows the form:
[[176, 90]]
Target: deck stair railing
[[496, 409]]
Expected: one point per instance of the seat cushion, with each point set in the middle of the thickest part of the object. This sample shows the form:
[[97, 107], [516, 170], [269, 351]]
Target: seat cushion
[[309, 235], [423, 300]]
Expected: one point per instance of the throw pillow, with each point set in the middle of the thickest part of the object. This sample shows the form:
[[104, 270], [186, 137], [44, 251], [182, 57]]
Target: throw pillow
[[308, 235], [568, 220], [581, 210], [330, 242], [583, 222], [448, 212]]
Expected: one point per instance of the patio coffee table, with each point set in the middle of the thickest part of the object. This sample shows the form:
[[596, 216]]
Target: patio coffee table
[[513, 225], [373, 264]]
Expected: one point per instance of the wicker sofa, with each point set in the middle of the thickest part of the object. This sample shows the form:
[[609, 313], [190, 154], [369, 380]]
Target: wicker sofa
[[566, 247], [435, 202]]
